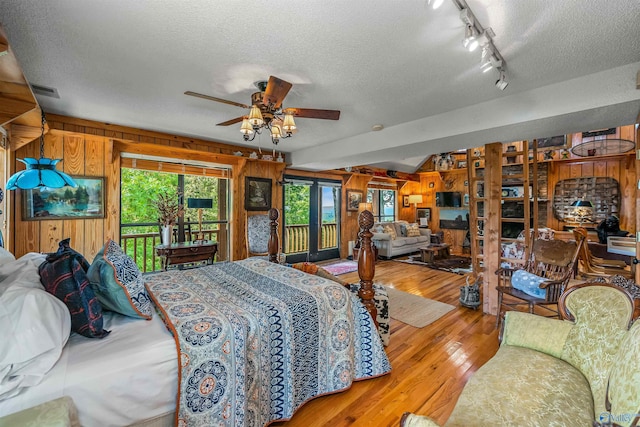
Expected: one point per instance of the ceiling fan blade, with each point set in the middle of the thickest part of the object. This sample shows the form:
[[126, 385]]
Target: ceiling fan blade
[[213, 98], [312, 113], [231, 122], [275, 92]]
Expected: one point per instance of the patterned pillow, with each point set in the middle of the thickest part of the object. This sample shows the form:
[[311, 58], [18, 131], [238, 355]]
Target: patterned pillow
[[528, 283], [118, 283], [390, 231], [413, 230], [64, 274]]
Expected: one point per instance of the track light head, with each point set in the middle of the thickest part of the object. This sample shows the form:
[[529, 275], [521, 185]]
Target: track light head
[[470, 42], [502, 82]]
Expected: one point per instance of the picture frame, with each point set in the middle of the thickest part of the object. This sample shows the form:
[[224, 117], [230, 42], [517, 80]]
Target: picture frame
[[462, 164], [354, 198], [257, 194], [457, 219], [423, 213], [86, 201], [559, 141], [405, 201]]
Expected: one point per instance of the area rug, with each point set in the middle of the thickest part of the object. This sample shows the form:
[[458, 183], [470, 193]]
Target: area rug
[[415, 310], [454, 264], [341, 267]]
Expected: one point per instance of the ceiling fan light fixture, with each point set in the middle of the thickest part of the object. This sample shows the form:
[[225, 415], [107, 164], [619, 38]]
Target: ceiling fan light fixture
[[246, 128], [255, 116], [276, 133], [288, 125]]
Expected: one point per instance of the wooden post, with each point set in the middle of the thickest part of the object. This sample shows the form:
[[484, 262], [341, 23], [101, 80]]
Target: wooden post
[[274, 241], [366, 264], [492, 229]]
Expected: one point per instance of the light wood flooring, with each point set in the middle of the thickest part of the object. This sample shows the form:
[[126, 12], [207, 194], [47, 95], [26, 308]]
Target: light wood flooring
[[429, 365]]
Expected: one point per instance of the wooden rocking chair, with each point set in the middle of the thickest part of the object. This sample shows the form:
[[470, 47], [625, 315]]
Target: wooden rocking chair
[[553, 262]]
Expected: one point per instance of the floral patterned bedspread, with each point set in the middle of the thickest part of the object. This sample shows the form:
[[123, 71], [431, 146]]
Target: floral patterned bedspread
[[257, 340]]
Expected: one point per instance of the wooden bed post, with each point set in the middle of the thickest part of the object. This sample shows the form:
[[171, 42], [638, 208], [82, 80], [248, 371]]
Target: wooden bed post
[[366, 264], [274, 240]]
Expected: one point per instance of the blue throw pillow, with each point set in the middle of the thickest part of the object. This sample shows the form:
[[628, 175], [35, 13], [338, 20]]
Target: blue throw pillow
[[118, 282], [63, 274], [528, 283]]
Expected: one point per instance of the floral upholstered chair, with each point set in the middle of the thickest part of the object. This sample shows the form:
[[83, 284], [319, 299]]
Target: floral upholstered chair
[[583, 370]]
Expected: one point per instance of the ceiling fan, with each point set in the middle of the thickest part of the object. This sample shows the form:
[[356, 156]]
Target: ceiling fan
[[266, 111]]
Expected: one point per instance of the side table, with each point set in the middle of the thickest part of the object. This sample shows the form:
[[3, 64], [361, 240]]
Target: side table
[[186, 253]]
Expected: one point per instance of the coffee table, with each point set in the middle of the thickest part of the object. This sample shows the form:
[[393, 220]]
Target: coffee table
[[429, 253]]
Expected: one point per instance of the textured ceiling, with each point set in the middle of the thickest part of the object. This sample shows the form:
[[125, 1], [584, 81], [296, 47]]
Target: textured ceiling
[[571, 65]]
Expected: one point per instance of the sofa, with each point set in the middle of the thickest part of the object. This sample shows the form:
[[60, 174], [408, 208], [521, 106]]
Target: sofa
[[399, 238], [548, 372]]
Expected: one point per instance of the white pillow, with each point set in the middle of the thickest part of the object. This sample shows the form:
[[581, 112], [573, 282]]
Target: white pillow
[[6, 256], [22, 272], [35, 327]]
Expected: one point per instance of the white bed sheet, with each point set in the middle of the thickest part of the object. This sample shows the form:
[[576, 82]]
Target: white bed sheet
[[128, 376]]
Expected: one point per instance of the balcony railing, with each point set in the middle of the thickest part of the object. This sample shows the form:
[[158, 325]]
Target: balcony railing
[[296, 237], [141, 246]]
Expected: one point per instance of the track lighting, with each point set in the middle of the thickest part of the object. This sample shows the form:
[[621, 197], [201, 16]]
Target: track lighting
[[470, 42], [502, 82]]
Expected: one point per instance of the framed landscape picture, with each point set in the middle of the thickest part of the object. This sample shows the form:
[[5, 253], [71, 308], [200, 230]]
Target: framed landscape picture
[[257, 194], [424, 213], [354, 198], [86, 201]]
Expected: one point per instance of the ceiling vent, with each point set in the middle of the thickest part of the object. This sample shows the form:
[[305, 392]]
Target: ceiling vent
[[45, 91]]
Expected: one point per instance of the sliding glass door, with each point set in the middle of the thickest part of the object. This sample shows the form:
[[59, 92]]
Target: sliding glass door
[[311, 219]]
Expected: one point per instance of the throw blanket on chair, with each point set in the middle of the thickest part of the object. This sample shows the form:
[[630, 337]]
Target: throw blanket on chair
[[257, 340]]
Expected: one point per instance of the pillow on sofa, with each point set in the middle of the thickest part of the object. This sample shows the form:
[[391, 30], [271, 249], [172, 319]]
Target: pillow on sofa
[[388, 229], [63, 274], [118, 282], [413, 230], [528, 283]]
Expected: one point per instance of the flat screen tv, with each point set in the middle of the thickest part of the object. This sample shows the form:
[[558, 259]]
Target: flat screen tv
[[448, 199]]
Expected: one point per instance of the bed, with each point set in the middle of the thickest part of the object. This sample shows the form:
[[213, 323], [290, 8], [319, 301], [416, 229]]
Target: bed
[[244, 343]]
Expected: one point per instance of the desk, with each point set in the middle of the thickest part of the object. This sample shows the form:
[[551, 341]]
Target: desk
[[429, 253], [186, 253]]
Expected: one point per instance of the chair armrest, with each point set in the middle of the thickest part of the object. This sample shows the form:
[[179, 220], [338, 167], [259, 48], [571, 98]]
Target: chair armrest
[[412, 420], [381, 236], [535, 332], [425, 232]]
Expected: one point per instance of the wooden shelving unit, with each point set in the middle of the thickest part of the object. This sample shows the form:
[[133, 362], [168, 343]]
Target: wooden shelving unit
[[502, 203]]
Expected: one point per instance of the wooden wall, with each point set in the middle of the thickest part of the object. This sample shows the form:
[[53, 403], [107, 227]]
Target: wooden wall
[[90, 148]]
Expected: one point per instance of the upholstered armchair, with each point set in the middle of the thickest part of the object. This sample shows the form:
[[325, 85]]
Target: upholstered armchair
[[582, 370]]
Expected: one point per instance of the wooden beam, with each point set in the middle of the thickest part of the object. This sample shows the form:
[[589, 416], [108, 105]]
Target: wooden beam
[[174, 152], [22, 135]]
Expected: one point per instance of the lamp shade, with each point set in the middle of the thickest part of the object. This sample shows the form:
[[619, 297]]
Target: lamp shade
[[199, 203], [415, 198], [39, 173], [582, 204]]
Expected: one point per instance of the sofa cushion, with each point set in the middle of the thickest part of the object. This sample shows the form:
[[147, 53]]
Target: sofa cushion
[[413, 230], [523, 387], [390, 230], [422, 239]]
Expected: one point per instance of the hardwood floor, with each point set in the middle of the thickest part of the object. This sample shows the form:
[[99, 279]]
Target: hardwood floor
[[429, 365]]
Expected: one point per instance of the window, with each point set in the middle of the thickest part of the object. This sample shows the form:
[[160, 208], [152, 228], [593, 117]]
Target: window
[[384, 204]]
